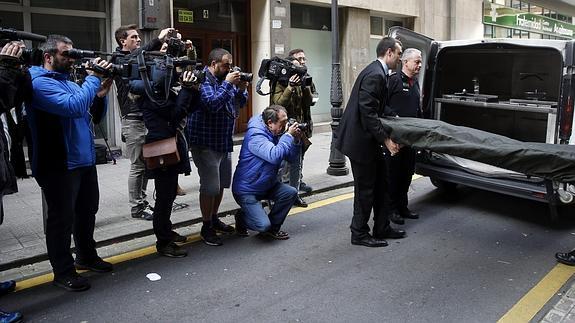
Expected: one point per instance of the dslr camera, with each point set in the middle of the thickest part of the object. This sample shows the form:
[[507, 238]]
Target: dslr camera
[[246, 77], [302, 126]]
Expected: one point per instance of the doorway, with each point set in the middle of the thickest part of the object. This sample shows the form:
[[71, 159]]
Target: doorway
[[212, 26]]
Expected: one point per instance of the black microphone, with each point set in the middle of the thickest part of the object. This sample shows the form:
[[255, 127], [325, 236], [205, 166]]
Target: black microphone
[[13, 34], [30, 36]]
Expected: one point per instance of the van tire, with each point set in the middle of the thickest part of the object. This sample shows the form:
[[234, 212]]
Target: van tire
[[443, 185]]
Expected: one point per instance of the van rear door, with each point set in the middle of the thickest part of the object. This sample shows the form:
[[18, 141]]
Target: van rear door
[[428, 48]]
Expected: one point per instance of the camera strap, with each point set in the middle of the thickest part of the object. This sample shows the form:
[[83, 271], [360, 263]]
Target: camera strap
[[143, 70], [259, 87]]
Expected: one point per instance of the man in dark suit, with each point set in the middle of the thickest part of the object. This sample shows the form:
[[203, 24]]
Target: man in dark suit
[[361, 137]]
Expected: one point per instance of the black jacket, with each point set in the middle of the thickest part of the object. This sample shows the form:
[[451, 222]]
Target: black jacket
[[360, 132], [165, 121], [403, 96], [16, 86]]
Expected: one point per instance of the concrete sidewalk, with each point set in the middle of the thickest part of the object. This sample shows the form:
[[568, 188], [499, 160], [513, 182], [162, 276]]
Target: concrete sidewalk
[[22, 240]]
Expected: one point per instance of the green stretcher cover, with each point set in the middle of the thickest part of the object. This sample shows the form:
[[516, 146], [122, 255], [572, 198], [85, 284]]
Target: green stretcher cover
[[549, 161]]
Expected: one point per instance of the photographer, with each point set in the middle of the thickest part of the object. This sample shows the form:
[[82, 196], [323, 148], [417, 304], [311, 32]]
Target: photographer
[[63, 163], [266, 144], [299, 54], [133, 128], [16, 86], [211, 128], [294, 96], [163, 119]]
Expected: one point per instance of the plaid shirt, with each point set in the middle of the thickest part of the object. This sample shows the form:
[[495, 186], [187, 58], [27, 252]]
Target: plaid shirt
[[212, 125]]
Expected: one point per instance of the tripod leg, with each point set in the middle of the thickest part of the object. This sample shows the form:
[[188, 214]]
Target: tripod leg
[[107, 145]]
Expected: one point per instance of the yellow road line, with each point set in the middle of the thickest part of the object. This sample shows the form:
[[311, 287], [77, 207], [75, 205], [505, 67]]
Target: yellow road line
[[538, 296], [146, 251], [143, 252]]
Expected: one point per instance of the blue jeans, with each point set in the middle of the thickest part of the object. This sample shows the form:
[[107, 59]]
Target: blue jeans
[[255, 218]]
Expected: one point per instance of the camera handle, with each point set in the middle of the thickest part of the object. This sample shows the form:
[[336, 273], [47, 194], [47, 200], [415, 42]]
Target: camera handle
[[142, 68]]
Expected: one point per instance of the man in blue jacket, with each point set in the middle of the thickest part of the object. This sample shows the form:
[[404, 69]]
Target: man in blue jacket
[[63, 163], [266, 144]]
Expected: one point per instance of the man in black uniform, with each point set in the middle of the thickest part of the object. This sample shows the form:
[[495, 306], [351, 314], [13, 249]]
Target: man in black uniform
[[404, 96], [362, 138]]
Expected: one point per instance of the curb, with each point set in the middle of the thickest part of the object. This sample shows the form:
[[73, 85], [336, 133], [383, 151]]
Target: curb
[[148, 232]]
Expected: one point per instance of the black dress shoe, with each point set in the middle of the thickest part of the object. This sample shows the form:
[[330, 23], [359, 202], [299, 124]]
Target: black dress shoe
[[72, 282], [408, 214], [97, 265], [567, 258], [396, 218], [391, 233], [300, 202], [369, 241]]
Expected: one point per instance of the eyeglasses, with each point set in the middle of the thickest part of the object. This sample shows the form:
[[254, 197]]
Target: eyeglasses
[[302, 59]]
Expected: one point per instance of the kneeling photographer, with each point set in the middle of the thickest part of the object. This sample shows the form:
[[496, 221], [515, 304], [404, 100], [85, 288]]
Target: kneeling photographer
[[293, 94], [165, 101], [268, 141]]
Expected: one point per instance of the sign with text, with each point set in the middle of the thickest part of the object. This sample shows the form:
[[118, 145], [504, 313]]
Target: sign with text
[[513, 18], [186, 16]]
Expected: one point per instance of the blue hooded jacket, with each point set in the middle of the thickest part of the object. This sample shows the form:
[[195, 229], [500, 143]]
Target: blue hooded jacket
[[260, 158], [60, 121]]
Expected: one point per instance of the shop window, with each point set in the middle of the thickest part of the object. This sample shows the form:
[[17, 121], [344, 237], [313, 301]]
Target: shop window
[[376, 26], [392, 23], [536, 10], [488, 31], [216, 15], [310, 17], [70, 5], [86, 33], [10, 19]]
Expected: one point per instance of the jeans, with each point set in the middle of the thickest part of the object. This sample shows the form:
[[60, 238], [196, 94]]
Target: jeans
[[72, 197], [134, 131], [255, 218]]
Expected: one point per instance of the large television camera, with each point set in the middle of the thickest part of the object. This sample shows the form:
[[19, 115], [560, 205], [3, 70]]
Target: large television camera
[[30, 56], [281, 70]]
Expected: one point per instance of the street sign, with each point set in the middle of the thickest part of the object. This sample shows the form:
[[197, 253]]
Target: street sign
[[186, 16]]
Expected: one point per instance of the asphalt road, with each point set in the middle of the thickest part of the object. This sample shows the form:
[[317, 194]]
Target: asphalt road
[[468, 259]]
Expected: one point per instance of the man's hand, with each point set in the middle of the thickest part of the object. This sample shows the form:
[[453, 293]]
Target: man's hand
[[188, 80], [105, 87], [392, 146], [243, 85], [164, 33], [294, 80], [12, 49], [233, 77], [102, 64], [294, 130]]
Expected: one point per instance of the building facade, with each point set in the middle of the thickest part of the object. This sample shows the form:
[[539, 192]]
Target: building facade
[[256, 29]]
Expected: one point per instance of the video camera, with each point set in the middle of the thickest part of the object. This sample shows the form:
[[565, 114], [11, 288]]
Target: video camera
[[281, 70], [30, 56]]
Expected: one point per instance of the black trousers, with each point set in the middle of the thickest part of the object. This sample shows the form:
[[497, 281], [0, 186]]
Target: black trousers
[[166, 188], [369, 194], [400, 169], [72, 198]]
